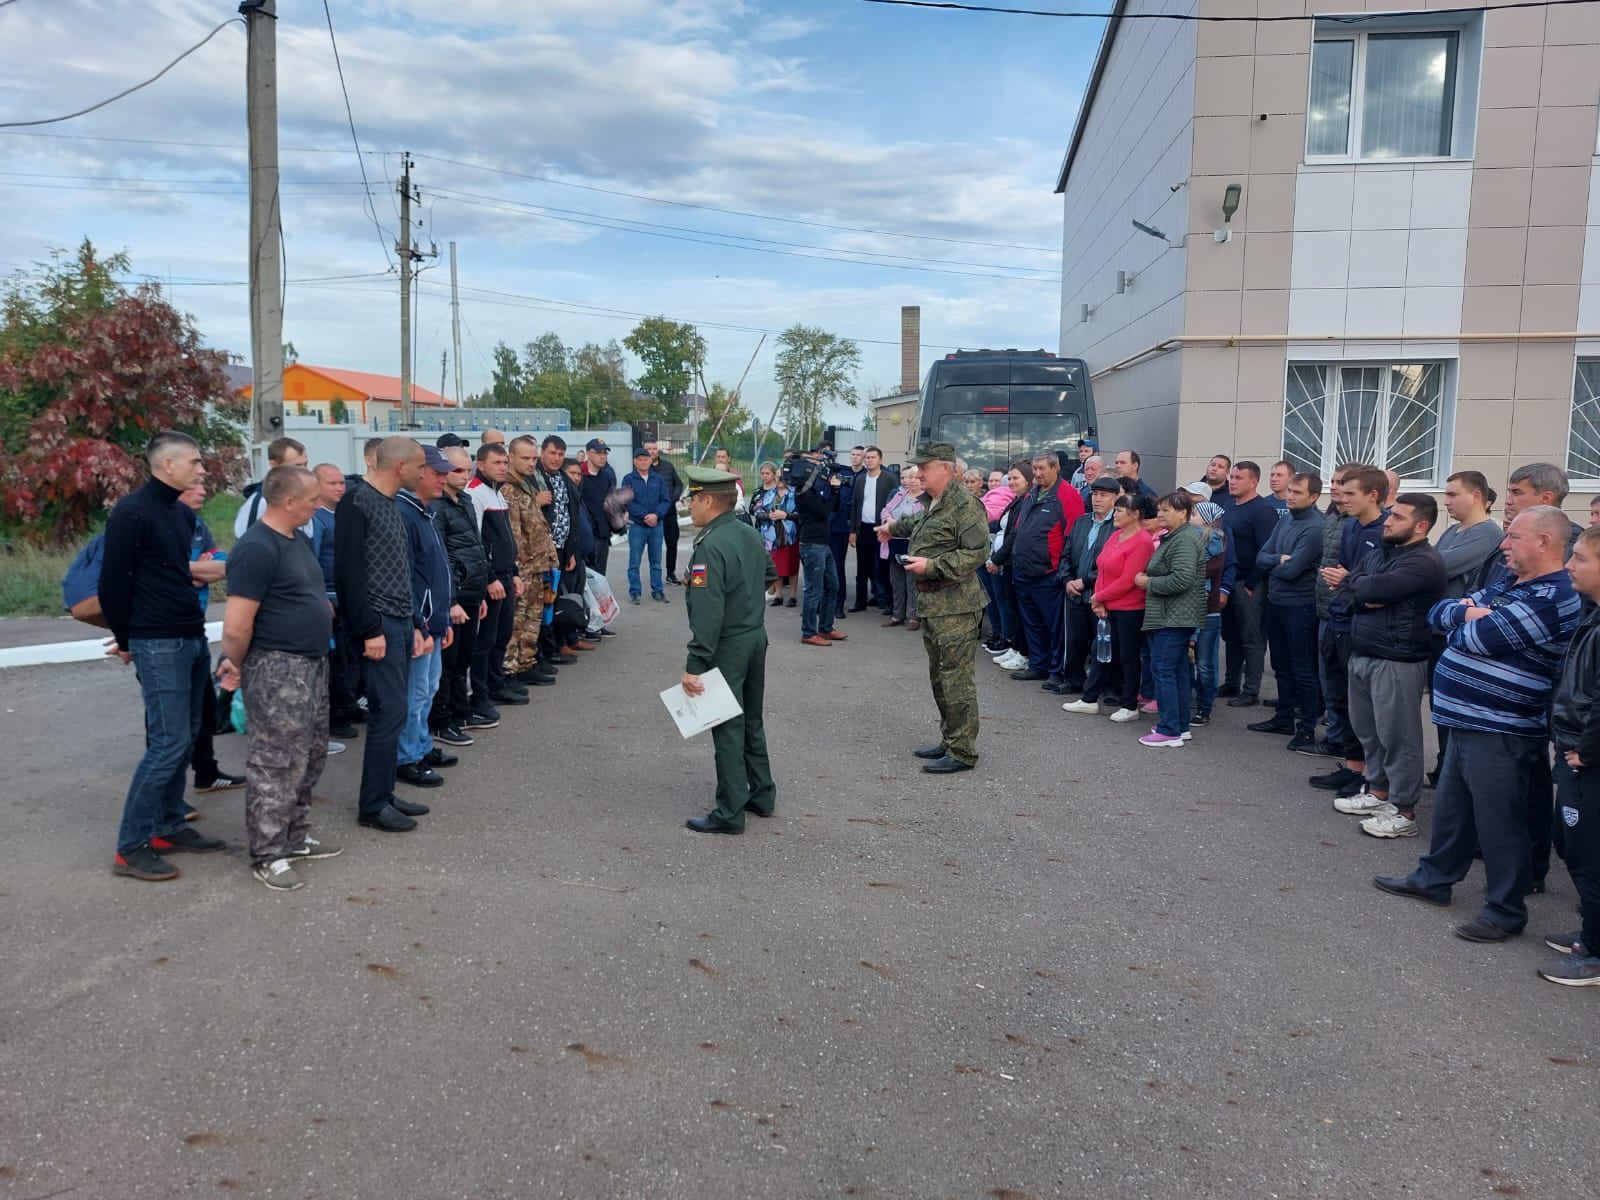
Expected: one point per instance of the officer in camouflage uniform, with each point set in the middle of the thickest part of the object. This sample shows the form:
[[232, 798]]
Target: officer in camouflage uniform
[[949, 542], [725, 589], [536, 555]]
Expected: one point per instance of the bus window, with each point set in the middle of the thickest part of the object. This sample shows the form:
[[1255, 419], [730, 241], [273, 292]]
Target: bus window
[[1032, 433], [980, 437]]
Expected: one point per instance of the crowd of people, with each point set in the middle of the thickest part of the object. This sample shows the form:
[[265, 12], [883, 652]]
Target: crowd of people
[[418, 598]]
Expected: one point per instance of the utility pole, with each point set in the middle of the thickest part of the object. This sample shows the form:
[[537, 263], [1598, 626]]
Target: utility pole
[[444, 366], [455, 322], [266, 228], [403, 249]]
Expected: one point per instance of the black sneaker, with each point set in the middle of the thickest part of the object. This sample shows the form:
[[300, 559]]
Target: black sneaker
[[222, 783], [561, 659], [419, 775], [659, 597], [143, 863], [453, 735], [1335, 779], [186, 841], [408, 808], [1227, 691], [1354, 788], [507, 696], [1243, 702], [489, 719], [438, 757], [1200, 719], [612, 632], [1570, 942], [1271, 725], [343, 729], [1303, 743], [389, 819]]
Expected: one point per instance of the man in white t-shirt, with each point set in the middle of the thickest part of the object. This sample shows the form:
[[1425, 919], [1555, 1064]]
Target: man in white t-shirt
[[281, 452], [873, 487]]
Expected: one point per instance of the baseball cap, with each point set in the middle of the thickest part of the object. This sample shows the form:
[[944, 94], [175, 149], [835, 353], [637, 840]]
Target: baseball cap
[[640, 452], [446, 440], [597, 444], [434, 460], [1202, 490]]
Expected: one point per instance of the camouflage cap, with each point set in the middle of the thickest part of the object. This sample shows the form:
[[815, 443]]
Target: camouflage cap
[[709, 479], [929, 452]]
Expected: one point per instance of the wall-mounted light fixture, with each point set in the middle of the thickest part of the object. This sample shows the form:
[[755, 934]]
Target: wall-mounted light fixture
[[1085, 314], [1124, 281], [1231, 196]]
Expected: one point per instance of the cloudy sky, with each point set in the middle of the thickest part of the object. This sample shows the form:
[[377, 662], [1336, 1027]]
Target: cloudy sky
[[911, 152]]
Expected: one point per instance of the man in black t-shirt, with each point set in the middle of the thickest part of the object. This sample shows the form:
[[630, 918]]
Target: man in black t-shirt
[[275, 634]]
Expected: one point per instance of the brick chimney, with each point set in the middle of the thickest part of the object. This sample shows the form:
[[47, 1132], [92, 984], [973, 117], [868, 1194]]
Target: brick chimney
[[910, 347]]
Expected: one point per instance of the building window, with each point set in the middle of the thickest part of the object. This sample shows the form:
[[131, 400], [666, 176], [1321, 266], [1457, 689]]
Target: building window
[[1583, 443], [1383, 95], [1390, 416]]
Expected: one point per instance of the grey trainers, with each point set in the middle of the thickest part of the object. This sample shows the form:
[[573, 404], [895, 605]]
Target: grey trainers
[[315, 849], [278, 875], [1569, 942], [1573, 970]]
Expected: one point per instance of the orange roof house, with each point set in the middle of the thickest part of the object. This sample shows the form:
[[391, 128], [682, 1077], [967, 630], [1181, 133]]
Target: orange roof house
[[363, 396]]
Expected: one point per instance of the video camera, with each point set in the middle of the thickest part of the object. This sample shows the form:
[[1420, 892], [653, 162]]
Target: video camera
[[801, 472]]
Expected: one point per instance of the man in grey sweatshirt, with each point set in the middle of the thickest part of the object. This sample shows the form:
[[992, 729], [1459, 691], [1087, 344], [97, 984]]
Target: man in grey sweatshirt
[[1290, 560]]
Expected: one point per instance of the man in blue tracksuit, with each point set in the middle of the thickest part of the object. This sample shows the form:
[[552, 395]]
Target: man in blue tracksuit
[[434, 612], [647, 515]]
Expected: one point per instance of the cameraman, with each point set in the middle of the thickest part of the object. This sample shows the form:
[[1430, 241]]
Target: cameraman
[[814, 483]]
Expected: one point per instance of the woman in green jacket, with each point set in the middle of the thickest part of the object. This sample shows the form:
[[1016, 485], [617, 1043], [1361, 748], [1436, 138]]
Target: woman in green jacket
[[1175, 606]]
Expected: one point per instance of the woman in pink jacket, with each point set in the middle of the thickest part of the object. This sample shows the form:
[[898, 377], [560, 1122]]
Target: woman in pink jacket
[[1120, 603]]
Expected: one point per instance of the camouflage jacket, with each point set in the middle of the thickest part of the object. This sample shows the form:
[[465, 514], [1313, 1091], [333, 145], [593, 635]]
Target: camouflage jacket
[[953, 534], [536, 550]]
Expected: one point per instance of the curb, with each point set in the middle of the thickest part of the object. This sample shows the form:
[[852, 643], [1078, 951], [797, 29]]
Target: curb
[[88, 650]]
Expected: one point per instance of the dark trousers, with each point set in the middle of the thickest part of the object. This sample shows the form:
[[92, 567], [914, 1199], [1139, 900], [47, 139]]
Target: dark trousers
[[388, 686], [600, 549], [344, 674], [1578, 794], [1333, 655], [1480, 804], [839, 544], [204, 758], [451, 704], [1245, 639], [1013, 618], [669, 534], [744, 774], [1542, 828], [489, 650], [1041, 603], [1118, 680], [1077, 636], [1292, 634], [872, 572]]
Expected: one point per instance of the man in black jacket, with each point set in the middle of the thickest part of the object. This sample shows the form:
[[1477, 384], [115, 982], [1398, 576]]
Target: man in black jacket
[[816, 499], [1575, 729], [669, 526], [1042, 522], [599, 481], [455, 519], [1080, 570], [147, 595], [1388, 596], [558, 500], [489, 680]]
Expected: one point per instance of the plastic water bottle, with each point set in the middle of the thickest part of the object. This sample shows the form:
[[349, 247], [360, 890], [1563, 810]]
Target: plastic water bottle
[[1102, 641]]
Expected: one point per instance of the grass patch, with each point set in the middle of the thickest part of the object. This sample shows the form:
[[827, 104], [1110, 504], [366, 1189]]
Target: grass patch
[[30, 581], [219, 514]]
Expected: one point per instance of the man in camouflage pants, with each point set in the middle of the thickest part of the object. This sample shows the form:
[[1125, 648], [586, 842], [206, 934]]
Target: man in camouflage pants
[[949, 541], [536, 555], [275, 634]]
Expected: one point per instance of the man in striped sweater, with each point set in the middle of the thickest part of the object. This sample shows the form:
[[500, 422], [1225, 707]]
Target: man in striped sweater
[[1504, 645]]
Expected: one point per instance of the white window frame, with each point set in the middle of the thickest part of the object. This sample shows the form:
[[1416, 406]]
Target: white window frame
[[1581, 361], [1463, 101], [1443, 429]]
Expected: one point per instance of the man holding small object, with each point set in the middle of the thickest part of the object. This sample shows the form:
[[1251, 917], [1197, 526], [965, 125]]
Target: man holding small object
[[725, 589], [949, 541]]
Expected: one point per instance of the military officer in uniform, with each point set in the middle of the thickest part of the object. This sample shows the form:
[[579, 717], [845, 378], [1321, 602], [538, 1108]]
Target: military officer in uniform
[[725, 589], [949, 542]]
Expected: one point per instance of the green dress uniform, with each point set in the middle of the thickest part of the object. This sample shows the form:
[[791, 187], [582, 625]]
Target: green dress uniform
[[725, 591], [953, 535]]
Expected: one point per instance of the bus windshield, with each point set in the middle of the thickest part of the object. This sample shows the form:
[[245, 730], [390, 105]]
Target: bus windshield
[[995, 408]]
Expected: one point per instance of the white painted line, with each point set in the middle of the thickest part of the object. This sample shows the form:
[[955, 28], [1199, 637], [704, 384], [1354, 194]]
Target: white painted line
[[89, 650]]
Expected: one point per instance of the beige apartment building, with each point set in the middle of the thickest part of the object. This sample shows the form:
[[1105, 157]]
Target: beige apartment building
[[1370, 232]]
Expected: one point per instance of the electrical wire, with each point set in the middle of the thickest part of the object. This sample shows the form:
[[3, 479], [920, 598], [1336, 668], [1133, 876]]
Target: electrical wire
[[383, 238], [1196, 18], [125, 91]]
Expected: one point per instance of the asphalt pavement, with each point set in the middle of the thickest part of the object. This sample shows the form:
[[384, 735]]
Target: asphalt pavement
[[1083, 970]]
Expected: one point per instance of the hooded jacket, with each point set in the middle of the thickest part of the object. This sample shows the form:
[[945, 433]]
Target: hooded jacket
[[430, 567], [458, 528], [1403, 582]]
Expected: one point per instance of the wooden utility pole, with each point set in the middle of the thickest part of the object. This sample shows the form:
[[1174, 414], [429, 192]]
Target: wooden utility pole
[[266, 227], [403, 249], [455, 322]]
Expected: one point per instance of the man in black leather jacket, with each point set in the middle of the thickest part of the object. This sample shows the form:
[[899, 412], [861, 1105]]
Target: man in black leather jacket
[[453, 711]]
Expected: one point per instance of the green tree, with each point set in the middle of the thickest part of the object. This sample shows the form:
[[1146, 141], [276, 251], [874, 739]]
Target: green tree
[[815, 370], [546, 355], [724, 407], [672, 353], [507, 386]]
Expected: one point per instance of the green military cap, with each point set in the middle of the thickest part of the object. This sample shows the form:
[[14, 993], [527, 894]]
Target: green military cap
[[929, 452], [709, 479]]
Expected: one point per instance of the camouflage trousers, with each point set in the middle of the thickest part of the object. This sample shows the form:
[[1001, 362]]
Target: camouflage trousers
[[952, 646], [286, 699], [523, 648]]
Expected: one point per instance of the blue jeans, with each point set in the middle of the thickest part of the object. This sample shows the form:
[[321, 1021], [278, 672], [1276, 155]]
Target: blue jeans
[[174, 674], [1174, 678], [1207, 647], [415, 740], [821, 599], [639, 537]]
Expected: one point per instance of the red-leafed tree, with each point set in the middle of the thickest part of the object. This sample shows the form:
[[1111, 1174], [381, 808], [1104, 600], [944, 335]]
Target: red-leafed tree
[[89, 371]]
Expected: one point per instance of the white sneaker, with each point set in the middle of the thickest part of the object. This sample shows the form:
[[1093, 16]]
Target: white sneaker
[[1362, 804], [1082, 706], [335, 748], [1389, 825], [1011, 661], [1123, 715]]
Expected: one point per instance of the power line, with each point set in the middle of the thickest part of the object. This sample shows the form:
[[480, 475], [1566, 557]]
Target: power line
[[126, 91], [732, 212], [1338, 18], [383, 238]]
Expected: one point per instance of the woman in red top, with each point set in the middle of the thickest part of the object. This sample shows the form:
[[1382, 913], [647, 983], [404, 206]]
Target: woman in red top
[[1121, 602]]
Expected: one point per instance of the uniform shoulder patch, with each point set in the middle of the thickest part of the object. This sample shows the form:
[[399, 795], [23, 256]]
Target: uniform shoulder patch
[[697, 575]]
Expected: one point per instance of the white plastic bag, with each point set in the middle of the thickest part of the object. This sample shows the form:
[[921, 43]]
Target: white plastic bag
[[605, 600]]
